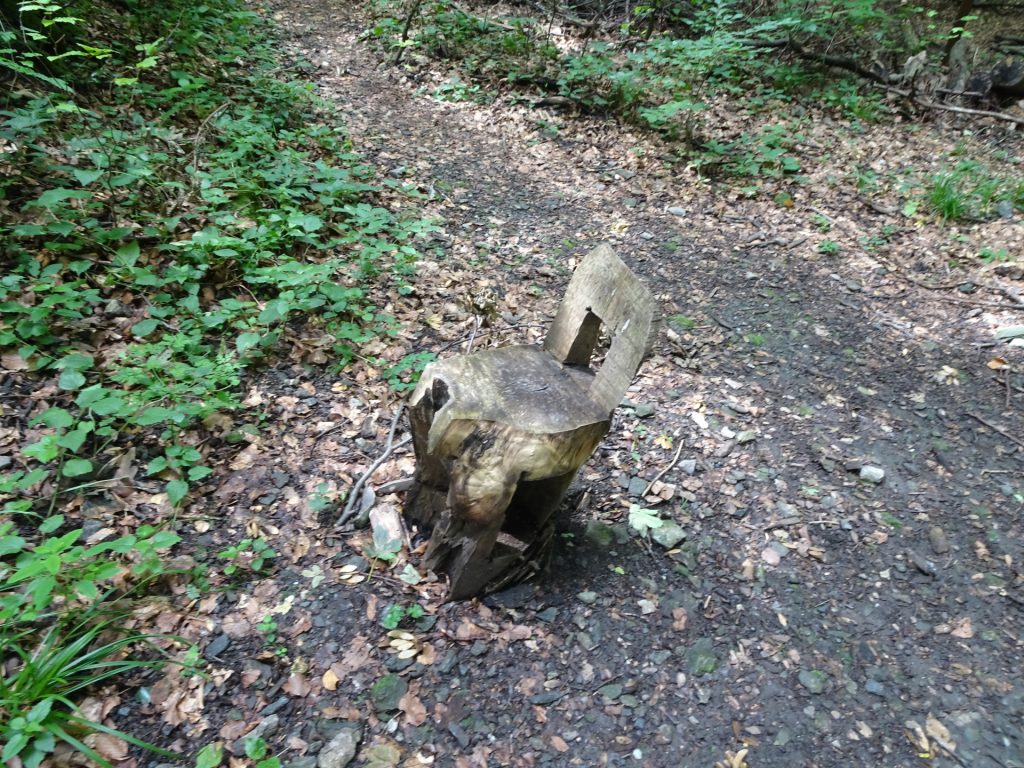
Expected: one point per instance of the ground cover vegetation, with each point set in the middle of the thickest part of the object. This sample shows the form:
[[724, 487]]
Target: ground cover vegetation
[[179, 211], [175, 203], [668, 67]]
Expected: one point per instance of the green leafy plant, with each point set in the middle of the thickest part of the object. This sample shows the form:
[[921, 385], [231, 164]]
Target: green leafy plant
[[257, 751], [43, 676], [395, 614], [643, 520], [828, 247], [251, 554]]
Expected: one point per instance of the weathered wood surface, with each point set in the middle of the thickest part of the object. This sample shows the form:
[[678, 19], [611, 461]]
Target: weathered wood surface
[[500, 434]]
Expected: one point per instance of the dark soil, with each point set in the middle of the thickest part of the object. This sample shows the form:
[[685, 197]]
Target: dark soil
[[810, 616]]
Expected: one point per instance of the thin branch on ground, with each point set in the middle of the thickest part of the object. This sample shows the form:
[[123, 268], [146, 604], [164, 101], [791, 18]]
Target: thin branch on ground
[[1000, 430], [661, 474], [356, 494]]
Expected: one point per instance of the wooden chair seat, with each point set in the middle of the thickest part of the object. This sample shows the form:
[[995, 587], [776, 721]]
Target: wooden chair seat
[[500, 434]]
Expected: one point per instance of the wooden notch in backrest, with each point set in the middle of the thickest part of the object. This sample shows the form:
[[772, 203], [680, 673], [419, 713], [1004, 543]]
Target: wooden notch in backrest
[[605, 291]]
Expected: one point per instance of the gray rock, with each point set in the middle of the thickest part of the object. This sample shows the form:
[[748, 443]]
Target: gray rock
[[668, 534], [675, 210], [340, 750], [814, 680], [937, 539], [922, 563], [872, 473], [387, 692], [701, 658], [1005, 209], [217, 646], [637, 486], [275, 706], [688, 466], [306, 761], [643, 410], [874, 687], [589, 598]]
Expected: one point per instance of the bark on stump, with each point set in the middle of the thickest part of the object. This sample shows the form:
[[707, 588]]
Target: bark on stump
[[500, 434]]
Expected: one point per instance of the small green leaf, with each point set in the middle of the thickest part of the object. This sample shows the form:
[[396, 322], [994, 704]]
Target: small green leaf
[[57, 418], [70, 380], [255, 748], [910, 208], [196, 474], [51, 524], [127, 254], [246, 341], [153, 415], [52, 197], [274, 310], [87, 589], [76, 467], [76, 361], [145, 327], [642, 520], [410, 575], [73, 440], [176, 491], [86, 176], [164, 539], [210, 755]]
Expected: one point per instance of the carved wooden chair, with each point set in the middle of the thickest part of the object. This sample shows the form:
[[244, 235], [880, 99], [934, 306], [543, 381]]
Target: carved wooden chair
[[500, 434]]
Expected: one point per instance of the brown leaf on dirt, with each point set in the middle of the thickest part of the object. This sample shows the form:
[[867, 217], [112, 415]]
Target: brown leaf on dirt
[[303, 624], [13, 362], [356, 657], [330, 680], [516, 632], [415, 711], [246, 458], [679, 619], [371, 607], [297, 685], [296, 744], [559, 743], [249, 676], [108, 746], [233, 730], [939, 732], [236, 626], [299, 546], [962, 628], [467, 630], [428, 655]]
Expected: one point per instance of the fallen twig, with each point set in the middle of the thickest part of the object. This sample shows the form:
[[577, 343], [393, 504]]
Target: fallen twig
[[661, 474], [1000, 430], [357, 489]]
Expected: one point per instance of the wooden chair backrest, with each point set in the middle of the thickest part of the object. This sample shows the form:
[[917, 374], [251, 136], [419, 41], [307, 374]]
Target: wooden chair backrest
[[605, 291]]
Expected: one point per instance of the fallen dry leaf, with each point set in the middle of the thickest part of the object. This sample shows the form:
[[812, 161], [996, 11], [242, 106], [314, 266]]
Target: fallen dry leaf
[[559, 743], [962, 628], [108, 746], [415, 711], [330, 680], [679, 619], [939, 732], [297, 685]]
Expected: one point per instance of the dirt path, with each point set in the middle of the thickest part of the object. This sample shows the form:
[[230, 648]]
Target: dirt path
[[810, 616]]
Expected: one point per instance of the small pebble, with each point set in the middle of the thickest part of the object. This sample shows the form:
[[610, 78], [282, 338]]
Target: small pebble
[[937, 538], [872, 473]]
